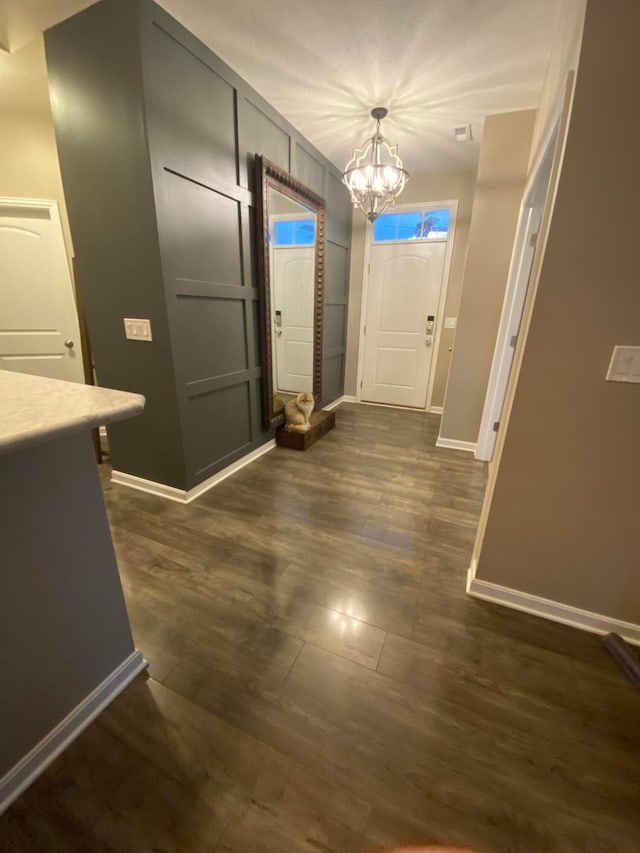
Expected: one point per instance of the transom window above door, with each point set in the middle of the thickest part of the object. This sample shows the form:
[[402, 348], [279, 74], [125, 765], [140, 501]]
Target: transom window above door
[[294, 232], [411, 225]]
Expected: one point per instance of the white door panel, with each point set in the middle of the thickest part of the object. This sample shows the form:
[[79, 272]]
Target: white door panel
[[403, 295], [396, 368], [293, 296], [405, 282], [37, 307]]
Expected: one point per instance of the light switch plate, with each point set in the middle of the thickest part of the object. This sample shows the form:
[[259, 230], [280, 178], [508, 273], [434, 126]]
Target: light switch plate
[[137, 330], [624, 365], [450, 322]]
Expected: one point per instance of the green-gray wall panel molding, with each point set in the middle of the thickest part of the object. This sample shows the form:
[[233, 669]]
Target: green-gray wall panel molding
[[309, 170], [260, 135], [97, 101], [338, 201], [170, 153]]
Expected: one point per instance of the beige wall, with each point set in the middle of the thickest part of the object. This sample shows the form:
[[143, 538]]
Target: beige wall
[[29, 165], [562, 523], [427, 188], [564, 57], [502, 172], [29, 162]]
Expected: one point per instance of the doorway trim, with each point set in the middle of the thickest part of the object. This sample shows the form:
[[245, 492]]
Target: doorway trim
[[532, 211], [452, 206]]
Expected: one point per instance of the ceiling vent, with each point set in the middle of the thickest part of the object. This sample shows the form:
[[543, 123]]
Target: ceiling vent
[[462, 133]]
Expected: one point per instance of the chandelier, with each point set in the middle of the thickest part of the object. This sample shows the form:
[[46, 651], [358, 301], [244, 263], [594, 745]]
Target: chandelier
[[375, 176]]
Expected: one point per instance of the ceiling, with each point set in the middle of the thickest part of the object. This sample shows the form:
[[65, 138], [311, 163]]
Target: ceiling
[[435, 64]]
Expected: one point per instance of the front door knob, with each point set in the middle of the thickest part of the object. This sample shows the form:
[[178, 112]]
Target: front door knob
[[68, 343]]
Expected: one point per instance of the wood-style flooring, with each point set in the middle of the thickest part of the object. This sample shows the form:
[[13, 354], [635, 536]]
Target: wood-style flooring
[[319, 681]]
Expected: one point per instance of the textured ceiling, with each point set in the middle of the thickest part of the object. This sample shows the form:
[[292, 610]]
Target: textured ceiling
[[434, 63]]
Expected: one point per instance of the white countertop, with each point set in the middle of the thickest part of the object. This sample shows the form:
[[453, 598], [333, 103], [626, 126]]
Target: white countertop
[[34, 409]]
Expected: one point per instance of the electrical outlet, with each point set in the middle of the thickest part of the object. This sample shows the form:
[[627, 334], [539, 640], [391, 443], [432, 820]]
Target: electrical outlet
[[624, 365], [137, 330]]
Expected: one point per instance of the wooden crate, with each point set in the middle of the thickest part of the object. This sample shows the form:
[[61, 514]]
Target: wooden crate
[[321, 423]]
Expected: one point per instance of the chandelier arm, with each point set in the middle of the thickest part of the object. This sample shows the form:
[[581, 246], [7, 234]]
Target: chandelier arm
[[374, 186]]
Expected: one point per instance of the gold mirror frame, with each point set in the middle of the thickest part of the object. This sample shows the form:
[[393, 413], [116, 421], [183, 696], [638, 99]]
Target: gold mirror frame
[[269, 175]]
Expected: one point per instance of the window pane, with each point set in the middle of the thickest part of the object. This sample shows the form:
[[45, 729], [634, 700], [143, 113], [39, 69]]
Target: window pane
[[282, 233], [435, 225], [385, 227], [305, 232], [412, 225], [409, 225]]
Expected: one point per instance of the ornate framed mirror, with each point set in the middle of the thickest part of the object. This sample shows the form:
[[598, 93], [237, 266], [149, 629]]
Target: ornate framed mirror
[[291, 235]]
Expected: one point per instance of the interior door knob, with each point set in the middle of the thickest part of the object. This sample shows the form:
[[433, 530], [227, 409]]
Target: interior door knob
[[68, 343]]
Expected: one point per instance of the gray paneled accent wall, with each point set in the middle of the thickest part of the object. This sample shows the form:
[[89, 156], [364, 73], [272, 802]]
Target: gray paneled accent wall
[[337, 286], [309, 170], [95, 83], [180, 130], [260, 135], [335, 320]]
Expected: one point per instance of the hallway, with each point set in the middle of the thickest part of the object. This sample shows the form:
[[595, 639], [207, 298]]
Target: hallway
[[319, 681]]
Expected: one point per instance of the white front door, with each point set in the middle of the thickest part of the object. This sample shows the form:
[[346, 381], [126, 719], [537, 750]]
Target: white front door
[[293, 294], [405, 282], [39, 330]]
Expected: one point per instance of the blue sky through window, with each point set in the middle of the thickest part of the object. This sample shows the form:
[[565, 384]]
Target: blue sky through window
[[412, 225], [294, 232]]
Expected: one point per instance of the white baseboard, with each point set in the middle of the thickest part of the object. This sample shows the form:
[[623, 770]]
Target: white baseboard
[[35, 762], [393, 406], [184, 496], [349, 398], [346, 398], [555, 611], [335, 404], [471, 573], [455, 444], [121, 478], [149, 486]]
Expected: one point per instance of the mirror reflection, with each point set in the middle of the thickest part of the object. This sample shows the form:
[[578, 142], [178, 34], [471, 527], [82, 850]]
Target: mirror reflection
[[290, 226], [292, 237]]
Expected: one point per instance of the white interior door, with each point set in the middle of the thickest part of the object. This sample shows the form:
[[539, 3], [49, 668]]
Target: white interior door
[[293, 292], [405, 283], [39, 330]]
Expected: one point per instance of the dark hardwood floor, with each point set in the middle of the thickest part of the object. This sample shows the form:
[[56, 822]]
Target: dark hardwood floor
[[319, 681]]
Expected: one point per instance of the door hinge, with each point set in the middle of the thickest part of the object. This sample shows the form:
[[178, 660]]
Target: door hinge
[[365, 330], [496, 425], [513, 341], [533, 240], [361, 383]]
